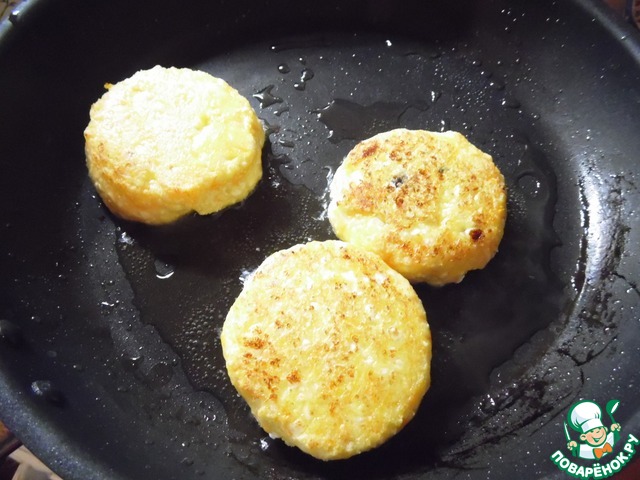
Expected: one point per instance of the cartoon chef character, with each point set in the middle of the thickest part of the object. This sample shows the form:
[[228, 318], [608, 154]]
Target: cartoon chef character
[[586, 418]]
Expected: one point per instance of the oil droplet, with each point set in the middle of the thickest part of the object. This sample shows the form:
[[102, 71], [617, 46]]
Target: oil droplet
[[349, 120], [164, 270], [45, 389], [286, 143], [107, 308], [125, 238], [270, 129], [497, 84], [284, 68], [489, 405], [306, 75], [510, 102], [131, 362], [266, 98]]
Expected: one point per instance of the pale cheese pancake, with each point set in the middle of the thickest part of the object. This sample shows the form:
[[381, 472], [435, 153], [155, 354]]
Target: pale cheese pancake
[[167, 141], [330, 348]]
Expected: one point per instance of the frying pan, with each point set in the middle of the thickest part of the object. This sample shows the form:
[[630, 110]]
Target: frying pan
[[110, 362]]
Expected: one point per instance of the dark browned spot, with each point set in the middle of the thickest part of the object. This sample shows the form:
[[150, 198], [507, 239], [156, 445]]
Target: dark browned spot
[[476, 234], [256, 343], [370, 150], [294, 377], [398, 180], [269, 380]]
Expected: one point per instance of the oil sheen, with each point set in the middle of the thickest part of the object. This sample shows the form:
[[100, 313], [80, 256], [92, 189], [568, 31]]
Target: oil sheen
[[486, 330]]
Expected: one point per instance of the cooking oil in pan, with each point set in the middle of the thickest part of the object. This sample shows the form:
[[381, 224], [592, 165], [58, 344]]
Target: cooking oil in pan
[[347, 120], [266, 97], [185, 276]]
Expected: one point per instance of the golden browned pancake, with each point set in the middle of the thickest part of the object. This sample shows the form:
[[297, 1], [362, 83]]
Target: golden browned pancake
[[329, 347], [432, 205], [166, 142]]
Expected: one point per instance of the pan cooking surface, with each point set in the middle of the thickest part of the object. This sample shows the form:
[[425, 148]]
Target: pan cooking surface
[[124, 319], [186, 276]]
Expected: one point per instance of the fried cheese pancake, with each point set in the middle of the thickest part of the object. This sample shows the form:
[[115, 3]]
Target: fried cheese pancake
[[167, 141], [431, 204], [330, 348]]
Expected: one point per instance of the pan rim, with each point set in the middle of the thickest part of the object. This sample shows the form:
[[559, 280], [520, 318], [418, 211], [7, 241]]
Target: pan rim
[[18, 418]]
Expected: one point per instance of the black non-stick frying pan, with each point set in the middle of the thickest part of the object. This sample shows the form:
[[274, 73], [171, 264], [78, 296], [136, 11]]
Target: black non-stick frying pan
[[110, 361]]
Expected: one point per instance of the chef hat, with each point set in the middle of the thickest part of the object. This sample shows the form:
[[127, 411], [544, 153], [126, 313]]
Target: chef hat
[[585, 416]]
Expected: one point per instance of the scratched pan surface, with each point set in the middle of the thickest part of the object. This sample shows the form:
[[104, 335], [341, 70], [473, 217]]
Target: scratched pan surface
[[110, 362]]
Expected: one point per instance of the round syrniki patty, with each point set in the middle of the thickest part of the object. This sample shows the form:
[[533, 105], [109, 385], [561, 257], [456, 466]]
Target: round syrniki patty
[[167, 141], [330, 348], [431, 204]]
